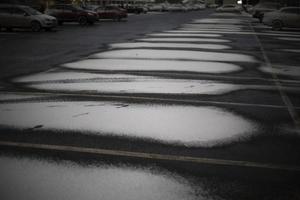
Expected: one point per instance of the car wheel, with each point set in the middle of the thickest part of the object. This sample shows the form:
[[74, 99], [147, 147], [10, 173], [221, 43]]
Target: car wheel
[[277, 25], [82, 20], [36, 26]]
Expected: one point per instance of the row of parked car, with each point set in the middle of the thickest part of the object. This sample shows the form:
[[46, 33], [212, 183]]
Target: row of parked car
[[275, 15], [269, 13], [20, 16]]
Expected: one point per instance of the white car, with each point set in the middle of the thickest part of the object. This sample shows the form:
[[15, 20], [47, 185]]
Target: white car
[[228, 8], [259, 10], [285, 17], [176, 8], [17, 16], [156, 8]]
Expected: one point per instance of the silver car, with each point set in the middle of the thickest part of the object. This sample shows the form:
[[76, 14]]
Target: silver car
[[285, 17], [17, 16], [228, 8]]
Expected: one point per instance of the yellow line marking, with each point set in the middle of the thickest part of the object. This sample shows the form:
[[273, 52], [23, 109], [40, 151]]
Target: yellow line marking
[[153, 156]]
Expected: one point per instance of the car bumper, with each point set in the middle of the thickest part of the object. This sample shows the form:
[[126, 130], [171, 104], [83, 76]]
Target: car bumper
[[267, 21], [50, 24]]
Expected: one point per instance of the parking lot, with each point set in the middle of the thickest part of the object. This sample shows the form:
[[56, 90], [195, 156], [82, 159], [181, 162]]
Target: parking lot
[[196, 105]]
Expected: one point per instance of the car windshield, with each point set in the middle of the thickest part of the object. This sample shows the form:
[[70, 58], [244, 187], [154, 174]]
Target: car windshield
[[31, 11], [77, 7], [91, 7]]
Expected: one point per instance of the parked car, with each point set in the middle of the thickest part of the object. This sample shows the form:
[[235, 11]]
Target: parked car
[[212, 5], [18, 16], [134, 9], [285, 17], [248, 8], [108, 12], [157, 8], [71, 13], [260, 9], [228, 8], [200, 6], [176, 8]]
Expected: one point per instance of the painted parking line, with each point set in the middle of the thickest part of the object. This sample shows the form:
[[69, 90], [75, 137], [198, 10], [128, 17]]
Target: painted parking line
[[291, 50], [293, 39], [291, 108], [151, 156]]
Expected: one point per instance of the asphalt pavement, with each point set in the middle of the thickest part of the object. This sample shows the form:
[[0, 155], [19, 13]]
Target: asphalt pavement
[[196, 105]]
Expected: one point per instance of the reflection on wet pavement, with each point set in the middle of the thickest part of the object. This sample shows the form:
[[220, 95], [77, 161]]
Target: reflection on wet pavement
[[153, 65], [188, 125], [175, 55], [175, 125], [30, 178], [182, 40], [169, 45]]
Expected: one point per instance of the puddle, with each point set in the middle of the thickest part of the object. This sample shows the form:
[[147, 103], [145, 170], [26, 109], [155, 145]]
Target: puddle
[[175, 55], [289, 38], [187, 125], [282, 70], [182, 40], [183, 35], [169, 45], [35, 179], [154, 65]]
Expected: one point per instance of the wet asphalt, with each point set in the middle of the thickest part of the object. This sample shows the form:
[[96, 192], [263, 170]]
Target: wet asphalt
[[199, 84]]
